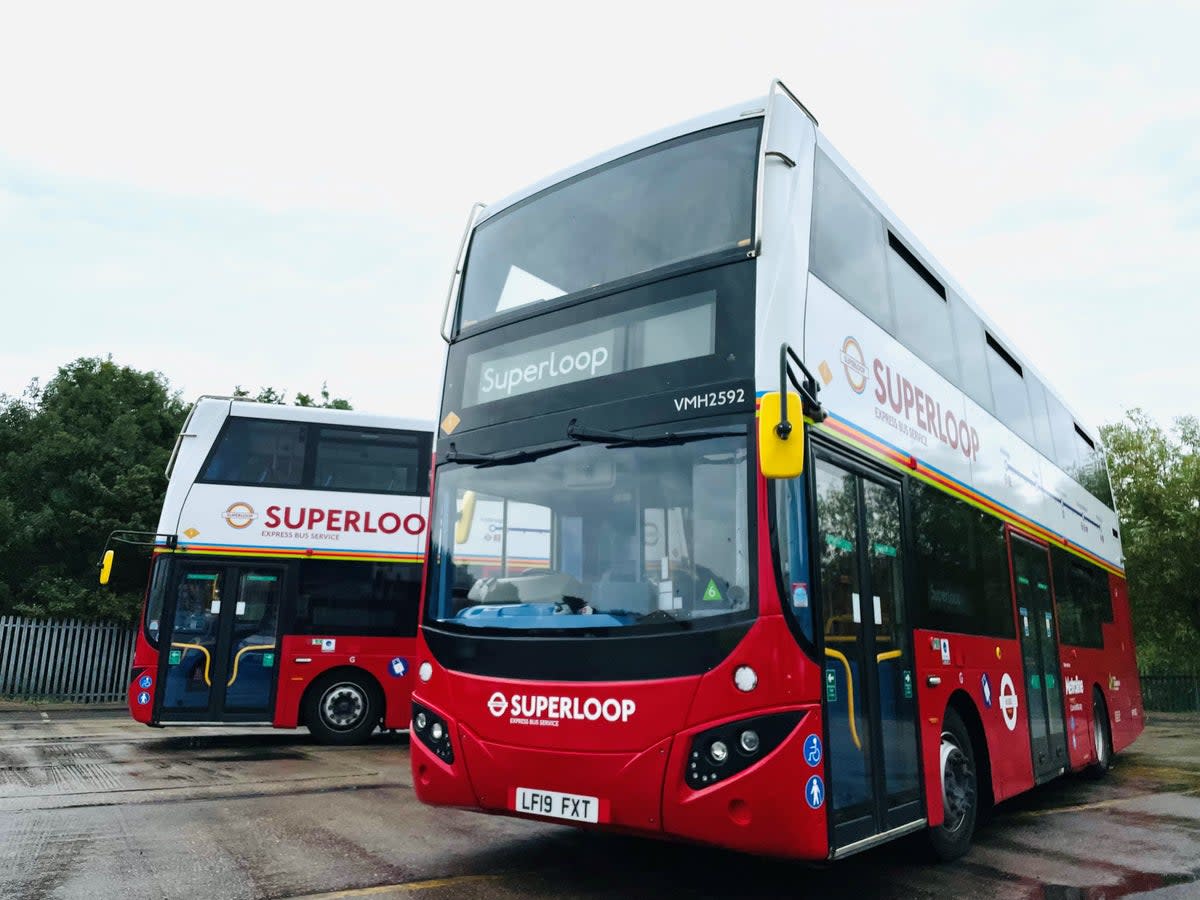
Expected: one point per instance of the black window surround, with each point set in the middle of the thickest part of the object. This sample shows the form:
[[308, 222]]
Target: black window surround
[[422, 442]]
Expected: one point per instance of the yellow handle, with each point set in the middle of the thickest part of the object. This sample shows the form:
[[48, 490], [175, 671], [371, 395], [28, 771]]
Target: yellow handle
[[841, 657], [207, 658], [237, 659]]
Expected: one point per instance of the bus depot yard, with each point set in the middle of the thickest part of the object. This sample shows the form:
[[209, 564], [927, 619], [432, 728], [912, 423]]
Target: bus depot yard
[[95, 805]]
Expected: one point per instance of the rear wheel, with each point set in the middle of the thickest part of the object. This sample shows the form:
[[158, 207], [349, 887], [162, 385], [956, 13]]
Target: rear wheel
[[343, 708], [960, 791], [1101, 737]]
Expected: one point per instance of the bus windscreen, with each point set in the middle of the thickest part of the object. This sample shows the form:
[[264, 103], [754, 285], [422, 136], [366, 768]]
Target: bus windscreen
[[675, 201]]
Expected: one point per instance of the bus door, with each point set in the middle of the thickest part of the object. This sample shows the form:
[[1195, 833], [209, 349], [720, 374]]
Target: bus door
[[220, 627], [872, 758], [1039, 652]]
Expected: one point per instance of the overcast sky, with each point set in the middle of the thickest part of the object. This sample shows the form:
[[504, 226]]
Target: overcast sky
[[273, 195]]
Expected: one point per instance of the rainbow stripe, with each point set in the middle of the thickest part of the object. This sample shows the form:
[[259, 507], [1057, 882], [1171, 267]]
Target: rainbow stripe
[[879, 449], [245, 550], [897, 458]]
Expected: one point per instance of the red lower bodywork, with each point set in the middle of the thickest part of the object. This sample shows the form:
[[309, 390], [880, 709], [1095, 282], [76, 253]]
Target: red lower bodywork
[[369, 655], [636, 768]]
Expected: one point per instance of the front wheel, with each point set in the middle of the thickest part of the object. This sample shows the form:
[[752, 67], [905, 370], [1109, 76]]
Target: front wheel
[[343, 708], [1101, 738], [960, 791]]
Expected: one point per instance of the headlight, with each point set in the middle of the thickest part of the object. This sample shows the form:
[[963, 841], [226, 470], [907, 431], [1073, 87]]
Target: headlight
[[709, 759], [748, 741], [432, 731]]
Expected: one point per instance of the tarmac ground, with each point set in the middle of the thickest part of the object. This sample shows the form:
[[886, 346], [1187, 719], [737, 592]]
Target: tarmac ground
[[94, 805]]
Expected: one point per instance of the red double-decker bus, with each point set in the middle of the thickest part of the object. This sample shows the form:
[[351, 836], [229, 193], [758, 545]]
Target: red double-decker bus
[[285, 578], [826, 560]]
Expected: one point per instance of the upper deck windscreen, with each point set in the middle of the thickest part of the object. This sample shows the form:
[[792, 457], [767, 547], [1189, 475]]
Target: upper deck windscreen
[[675, 201]]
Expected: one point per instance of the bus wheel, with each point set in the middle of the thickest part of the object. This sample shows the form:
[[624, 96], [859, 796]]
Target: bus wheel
[[960, 791], [342, 708], [1101, 738]]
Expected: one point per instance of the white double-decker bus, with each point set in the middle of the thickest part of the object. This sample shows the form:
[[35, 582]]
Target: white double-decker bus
[[285, 576], [828, 561]]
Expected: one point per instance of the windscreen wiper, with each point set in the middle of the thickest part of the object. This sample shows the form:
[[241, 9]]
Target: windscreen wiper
[[484, 460], [577, 432]]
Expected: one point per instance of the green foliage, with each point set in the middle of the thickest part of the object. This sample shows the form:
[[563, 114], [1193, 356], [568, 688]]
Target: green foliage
[[1156, 479], [271, 395], [82, 457], [79, 458]]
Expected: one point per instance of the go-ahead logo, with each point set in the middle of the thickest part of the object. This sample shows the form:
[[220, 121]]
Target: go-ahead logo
[[239, 515], [539, 708]]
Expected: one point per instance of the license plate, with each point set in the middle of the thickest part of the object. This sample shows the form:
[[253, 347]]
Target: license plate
[[556, 805]]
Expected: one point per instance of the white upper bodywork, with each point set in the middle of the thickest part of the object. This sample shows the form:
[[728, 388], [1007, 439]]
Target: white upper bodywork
[[794, 306], [225, 518]]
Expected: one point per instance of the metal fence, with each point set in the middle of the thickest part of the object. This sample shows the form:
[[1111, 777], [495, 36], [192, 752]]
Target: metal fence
[[1171, 693], [69, 660]]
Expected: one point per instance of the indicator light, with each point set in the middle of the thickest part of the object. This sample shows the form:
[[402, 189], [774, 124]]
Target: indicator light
[[425, 671]]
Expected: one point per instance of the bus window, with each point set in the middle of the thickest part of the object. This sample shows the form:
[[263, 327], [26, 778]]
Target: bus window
[[371, 599], [847, 243], [355, 459], [962, 569], [255, 451], [922, 314], [1008, 390]]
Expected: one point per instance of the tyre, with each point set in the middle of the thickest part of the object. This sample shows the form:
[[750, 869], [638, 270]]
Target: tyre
[[1101, 738], [960, 791], [343, 708]]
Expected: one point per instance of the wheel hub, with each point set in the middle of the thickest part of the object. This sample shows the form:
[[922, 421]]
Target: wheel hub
[[958, 783], [343, 706]]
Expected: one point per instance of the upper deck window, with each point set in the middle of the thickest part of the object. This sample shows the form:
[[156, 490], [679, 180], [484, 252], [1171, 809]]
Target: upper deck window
[[354, 459], [274, 453], [258, 451], [676, 201]]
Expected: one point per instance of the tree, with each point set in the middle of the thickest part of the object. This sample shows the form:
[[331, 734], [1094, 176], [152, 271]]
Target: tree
[[1156, 479], [79, 458], [271, 395]]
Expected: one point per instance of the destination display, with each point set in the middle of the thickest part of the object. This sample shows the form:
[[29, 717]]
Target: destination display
[[684, 328]]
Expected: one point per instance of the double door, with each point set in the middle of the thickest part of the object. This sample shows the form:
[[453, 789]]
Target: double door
[[869, 690], [1038, 632], [219, 644]]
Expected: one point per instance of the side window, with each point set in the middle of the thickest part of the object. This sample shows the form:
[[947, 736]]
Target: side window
[[961, 566], [384, 462], [847, 242], [1081, 594], [155, 597], [972, 350], [922, 314], [791, 527], [258, 451], [1062, 429], [1040, 415], [1008, 390], [371, 599]]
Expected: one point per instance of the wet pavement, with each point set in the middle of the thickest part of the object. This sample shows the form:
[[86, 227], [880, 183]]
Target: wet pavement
[[94, 805]]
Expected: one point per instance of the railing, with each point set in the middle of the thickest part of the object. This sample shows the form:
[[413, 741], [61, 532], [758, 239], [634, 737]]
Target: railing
[[1171, 693], [67, 660]]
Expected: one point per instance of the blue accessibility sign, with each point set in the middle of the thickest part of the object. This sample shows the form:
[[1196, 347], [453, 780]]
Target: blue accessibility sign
[[986, 687], [814, 792], [398, 667], [144, 682], [812, 750], [143, 698]]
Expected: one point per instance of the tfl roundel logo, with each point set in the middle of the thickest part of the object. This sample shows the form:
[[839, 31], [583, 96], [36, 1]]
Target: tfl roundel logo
[[497, 704], [239, 515], [854, 364]]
